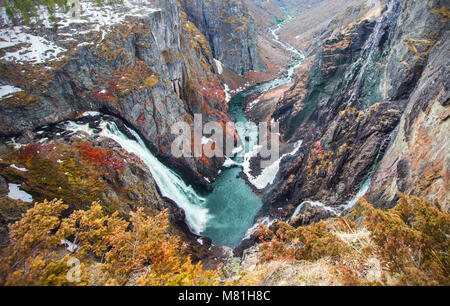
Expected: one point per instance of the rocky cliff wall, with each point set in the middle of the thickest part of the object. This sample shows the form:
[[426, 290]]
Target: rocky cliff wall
[[418, 159], [356, 93], [230, 30], [148, 64]]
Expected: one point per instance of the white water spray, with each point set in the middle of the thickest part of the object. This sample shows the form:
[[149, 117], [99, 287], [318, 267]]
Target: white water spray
[[169, 183]]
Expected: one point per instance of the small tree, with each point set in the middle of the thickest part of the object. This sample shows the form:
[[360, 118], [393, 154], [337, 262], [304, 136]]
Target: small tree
[[112, 251]]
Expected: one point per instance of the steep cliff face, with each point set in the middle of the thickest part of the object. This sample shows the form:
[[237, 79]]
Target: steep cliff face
[[230, 31], [356, 92], [147, 64], [418, 159]]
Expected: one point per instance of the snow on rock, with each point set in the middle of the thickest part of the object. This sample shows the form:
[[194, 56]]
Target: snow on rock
[[18, 168], [91, 114], [253, 103], [21, 45], [268, 174], [28, 48], [16, 194], [227, 93], [8, 90], [230, 163], [99, 18], [71, 247]]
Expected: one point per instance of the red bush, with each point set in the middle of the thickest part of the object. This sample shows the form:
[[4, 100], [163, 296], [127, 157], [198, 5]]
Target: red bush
[[99, 156]]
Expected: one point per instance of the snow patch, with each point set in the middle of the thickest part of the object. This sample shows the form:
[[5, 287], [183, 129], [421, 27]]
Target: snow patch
[[230, 163], [253, 103], [18, 168], [16, 194], [91, 114], [92, 18], [99, 18], [71, 247], [268, 174], [31, 48], [227, 93], [8, 90]]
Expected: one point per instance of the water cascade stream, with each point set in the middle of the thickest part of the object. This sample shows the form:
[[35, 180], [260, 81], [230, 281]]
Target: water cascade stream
[[226, 214]]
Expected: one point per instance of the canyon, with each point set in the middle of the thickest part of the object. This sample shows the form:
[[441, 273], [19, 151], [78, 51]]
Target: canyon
[[359, 89]]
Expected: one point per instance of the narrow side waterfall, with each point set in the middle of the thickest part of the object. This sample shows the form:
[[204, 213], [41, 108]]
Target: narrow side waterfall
[[170, 184]]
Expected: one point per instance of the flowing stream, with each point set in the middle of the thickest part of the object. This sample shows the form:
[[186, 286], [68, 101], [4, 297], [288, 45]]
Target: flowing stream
[[232, 205], [226, 214]]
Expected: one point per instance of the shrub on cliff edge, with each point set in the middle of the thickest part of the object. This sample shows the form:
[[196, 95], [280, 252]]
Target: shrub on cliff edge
[[111, 251]]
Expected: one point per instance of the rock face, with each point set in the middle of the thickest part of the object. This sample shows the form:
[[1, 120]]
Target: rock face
[[152, 68], [309, 212], [230, 31], [360, 84], [418, 159]]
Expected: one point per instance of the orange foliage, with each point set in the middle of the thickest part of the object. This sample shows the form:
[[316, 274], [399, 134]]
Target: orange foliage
[[100, 156], [111, 251]]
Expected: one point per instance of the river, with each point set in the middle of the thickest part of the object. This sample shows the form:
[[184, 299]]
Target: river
[[226, 214]]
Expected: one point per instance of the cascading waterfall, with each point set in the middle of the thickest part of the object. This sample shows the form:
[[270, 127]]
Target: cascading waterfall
[[224, 215], [169, 183], [368, 181]]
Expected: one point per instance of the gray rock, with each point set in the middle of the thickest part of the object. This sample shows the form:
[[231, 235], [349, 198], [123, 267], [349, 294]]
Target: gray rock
[[230, 31], [3, 186], [358, 88], [310, 213]]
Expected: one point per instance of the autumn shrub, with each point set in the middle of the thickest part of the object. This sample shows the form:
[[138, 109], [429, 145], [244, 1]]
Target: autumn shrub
[[32, 245], [112, 251], [413, 240], [304, 243], [407, 245], [100, 156]]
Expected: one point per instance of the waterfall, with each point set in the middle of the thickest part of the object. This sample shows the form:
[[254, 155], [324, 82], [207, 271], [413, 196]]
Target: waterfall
[[170, 184], [366, 183]]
